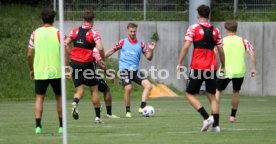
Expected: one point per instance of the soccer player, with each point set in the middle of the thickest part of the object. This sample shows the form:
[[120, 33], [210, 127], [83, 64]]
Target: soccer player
[[44, 64], [205, 37], [131, 49], [235, 48], [103, 87], [85, 39]]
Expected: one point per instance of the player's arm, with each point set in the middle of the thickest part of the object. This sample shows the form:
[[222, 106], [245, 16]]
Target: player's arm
[[253, 62], [30, 55], [221, 56], [97, 39], [219, 46], [251, 53], [189, 37], [30, 62], [100, 47], [149, 53], [67, 43], [111, 51], [222, 60], [183, 53]]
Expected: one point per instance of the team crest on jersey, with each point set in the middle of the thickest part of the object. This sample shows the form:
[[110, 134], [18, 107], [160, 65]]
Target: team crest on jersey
[[79, 42]]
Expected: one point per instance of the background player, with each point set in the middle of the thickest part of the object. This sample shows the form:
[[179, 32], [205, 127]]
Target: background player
[[235, 48], [85, 39], [45, 67], [131, 49], [205, 37]]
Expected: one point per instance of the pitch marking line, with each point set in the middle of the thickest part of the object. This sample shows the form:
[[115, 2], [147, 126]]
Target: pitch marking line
[[91, 126], [126, 134]]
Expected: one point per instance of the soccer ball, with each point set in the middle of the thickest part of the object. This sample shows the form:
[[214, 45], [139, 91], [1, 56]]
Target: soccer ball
[[148, 111]]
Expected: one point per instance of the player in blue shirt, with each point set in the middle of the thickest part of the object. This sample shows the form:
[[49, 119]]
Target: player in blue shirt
[[131, 49]]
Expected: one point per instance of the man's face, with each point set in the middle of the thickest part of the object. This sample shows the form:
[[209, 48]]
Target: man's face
[[132, 32]]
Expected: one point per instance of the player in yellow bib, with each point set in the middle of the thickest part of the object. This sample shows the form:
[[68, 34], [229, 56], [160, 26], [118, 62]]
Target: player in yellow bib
[[45, 66], [235, 48]]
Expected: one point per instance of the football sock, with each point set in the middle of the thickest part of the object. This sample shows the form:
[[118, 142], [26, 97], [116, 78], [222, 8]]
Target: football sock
[[60, 122], [38, 122], [98, 112], [203, 113], [143, 104], [108, 110], [216, 120], [127, 108], [233, 112], [76, 100]]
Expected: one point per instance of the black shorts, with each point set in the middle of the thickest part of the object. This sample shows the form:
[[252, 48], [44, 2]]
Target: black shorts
[[42, 85], [127, 76], [236, 83], [84, 73], [196, 78], [103, 87]]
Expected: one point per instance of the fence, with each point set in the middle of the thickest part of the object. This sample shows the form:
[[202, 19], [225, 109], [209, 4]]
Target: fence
[[169, 10], [247, 10], [174, 10]]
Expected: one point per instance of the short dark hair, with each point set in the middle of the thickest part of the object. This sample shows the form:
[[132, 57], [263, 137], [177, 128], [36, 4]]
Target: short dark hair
[[231, 25], [203, 11], [132, 25], [88, 15], [48, 16]]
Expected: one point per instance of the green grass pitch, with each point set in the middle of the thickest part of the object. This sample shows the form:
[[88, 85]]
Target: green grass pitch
[[175, 122]]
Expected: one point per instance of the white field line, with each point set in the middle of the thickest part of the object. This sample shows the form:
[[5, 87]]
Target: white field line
[[124, 134], [224, 129], [184, 132], [91, 126], [242, 129]]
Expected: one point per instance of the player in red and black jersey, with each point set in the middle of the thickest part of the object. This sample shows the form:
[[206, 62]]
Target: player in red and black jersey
[[85, 39], [204, 37]]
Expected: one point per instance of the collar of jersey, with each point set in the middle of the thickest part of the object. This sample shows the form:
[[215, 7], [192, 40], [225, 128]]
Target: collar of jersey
[[85, 26], [132, 41]]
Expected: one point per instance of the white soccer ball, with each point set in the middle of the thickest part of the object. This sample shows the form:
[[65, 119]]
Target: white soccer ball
[[148, 111]]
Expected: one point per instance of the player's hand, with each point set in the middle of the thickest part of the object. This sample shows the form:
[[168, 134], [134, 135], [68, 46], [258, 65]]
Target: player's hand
[[253, 73], [32, 75], [179, 68], [101, 64], [152, 46], [222, 72], [68, 75]]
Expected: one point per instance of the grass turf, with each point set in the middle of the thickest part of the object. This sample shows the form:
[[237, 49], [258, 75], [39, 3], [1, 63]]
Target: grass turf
[[175, 122]]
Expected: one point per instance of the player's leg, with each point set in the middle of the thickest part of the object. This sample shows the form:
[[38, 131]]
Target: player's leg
[[193, 87], [147, 88], [128, 88], [221, 85], [211, 91], [40, 90], [95, 99], [140, 79], [237, 83], [126, 83], [92, 81], [56, 86], [104, 88], [59, 111], [78, 79], [77, 96]]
